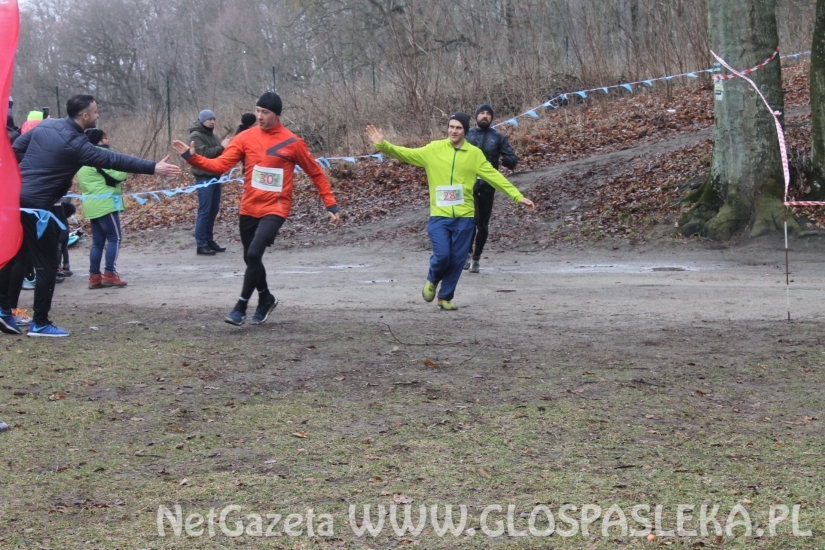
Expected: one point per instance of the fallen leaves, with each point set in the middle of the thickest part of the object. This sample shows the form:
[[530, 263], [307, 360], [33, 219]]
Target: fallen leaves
[[301, 435], [624, 201], [432, 365]]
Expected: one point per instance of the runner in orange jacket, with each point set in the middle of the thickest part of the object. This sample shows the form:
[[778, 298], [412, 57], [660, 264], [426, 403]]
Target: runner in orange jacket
[[270, 153]]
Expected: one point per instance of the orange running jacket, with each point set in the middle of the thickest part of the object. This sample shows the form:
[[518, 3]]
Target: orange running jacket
[[273, 148]]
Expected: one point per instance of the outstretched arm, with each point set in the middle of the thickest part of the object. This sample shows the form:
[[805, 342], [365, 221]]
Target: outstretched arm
[[231, 156], [319, 178], [101, 158], [404, 154], [492, 176]]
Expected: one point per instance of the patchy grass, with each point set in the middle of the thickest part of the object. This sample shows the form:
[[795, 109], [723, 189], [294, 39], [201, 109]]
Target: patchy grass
[[328, 412]]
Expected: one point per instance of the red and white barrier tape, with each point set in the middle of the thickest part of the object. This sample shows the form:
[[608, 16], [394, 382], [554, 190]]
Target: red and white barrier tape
[[746, 71], [779, 133]]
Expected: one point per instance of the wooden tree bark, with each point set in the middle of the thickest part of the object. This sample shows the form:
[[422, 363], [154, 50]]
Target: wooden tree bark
[[817, 83], [745, 187]]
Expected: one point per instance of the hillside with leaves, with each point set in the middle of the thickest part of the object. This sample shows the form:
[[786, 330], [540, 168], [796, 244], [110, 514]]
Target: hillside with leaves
[[626, 199]]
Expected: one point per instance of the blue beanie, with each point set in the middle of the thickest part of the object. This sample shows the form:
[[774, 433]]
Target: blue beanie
[[205, 115]]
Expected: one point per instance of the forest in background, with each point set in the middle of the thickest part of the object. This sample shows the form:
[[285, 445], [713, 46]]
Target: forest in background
[[403, 64]]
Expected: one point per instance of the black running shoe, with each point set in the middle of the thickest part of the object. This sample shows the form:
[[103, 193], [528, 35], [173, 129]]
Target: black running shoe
[[235, 317], [264, 309]]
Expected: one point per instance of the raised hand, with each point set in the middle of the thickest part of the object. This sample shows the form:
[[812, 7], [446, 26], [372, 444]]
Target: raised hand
[[376, 135], [163, 168], [181, 147]]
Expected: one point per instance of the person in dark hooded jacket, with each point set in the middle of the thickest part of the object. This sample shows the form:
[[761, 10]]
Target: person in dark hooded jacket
[[248, 120], [494, 145], [48, 157], [208, 145]]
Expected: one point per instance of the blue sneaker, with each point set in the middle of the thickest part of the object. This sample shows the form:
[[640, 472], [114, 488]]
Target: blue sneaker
[[7, 323], [48, 330], [263, 310], [236, 317], [28, 284]]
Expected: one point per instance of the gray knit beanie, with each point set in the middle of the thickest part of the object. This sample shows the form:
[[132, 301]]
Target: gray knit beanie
[[205, 115]]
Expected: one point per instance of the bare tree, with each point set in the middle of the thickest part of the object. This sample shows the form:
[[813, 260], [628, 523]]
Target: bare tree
[[344, 62], [745, 185], [817, 83]]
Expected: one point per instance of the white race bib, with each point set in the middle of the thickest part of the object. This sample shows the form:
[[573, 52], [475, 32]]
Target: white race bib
[[268, 179], [449, 195]]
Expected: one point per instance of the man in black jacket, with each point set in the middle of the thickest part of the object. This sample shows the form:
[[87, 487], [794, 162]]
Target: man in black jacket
[[49, 156], [493, 144]]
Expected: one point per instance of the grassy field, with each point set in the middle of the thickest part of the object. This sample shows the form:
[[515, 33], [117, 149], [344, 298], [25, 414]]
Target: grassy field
[[322, 412]]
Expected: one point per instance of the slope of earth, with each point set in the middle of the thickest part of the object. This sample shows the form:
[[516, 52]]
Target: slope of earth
[[612, 166]]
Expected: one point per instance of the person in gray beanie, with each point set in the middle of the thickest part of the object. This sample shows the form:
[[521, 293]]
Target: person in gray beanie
[[495, 146], [207, 144]]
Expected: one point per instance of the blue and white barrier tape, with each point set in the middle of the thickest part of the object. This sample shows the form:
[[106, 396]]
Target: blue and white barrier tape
[[606, 89]]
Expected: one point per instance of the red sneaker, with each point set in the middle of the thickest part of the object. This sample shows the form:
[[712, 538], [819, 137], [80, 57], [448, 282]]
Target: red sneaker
[[113, 280], [96, 281]]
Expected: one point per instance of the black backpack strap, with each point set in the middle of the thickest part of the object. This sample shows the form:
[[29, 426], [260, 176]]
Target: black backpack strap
[[110, 181]]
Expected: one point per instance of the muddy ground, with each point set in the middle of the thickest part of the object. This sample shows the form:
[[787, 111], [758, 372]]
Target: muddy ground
[[665, 372]]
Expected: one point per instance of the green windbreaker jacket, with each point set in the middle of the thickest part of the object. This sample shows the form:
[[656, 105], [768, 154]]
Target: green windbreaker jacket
[[107, 199], [447, 166]]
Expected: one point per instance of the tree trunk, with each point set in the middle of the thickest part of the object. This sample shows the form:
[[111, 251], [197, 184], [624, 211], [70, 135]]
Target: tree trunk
[[509, 16], [818, 101], [745, 187]]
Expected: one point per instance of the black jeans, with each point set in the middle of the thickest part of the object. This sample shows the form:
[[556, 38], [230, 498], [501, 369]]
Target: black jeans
[[11, 280], [62, 235], [43, 256], [483, 194], [256, 235]]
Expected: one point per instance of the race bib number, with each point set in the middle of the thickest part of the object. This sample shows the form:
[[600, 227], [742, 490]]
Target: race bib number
[[268, 179], [449, 195]]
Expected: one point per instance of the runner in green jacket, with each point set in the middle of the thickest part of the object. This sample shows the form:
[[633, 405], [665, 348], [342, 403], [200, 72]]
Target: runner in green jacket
[[452, 166]]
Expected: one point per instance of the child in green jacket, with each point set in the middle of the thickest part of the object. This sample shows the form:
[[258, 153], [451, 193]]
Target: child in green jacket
[[102, 204]]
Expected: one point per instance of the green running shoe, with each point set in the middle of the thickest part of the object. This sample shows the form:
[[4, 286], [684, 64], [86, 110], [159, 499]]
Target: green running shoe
[[447, 305], [429, 291]]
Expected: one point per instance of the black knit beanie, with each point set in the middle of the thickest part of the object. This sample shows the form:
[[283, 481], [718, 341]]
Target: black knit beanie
[[271, 102], [463, 118], [485, 107], [248, 119], [94, 135]]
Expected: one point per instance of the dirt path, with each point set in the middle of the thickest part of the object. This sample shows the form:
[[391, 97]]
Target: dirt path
[[358, 270], [663, 373], [649, 285]]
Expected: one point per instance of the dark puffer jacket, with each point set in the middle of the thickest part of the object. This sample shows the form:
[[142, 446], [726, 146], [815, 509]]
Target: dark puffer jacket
[[493, 144], [51, 154], [207, 144]]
